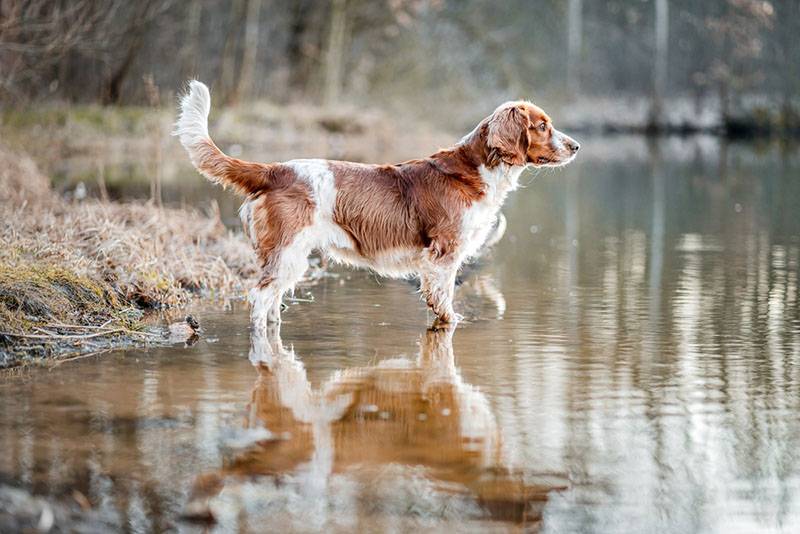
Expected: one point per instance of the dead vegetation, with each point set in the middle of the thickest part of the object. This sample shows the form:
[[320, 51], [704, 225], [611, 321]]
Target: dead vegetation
[[72, 271]]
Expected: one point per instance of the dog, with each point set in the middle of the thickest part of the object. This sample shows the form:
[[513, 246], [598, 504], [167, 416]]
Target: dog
[[423, 217]]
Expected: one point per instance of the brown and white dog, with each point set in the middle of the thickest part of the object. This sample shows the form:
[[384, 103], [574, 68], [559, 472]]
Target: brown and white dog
[[423, 217]]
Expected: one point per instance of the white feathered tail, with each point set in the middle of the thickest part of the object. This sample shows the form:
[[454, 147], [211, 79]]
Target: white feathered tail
[[192, 130]]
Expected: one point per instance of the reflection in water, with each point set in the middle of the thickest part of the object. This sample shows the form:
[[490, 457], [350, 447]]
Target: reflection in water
[[396, 443], [637, 330]]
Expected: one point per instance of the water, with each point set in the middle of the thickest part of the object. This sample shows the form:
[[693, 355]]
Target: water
[[629, 363]]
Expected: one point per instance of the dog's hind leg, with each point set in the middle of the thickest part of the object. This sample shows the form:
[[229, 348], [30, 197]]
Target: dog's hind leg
[[262, 301], [291, 264]]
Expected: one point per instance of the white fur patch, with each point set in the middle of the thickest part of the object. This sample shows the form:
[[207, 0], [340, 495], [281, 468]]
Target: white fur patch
[[479, 218], [246, 216], [319, 177], [395, 263], [192, 124]]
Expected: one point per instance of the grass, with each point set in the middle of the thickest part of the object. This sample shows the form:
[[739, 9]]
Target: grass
[[121, 120], [42, 294], [49, 310], [71, 272]]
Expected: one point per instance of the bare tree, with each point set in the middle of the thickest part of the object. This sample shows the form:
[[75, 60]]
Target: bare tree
[[574, 44], [251, 30], [36, 34], [227, 77], [736, 31], [334, 53], [191, 47], [660, 64]]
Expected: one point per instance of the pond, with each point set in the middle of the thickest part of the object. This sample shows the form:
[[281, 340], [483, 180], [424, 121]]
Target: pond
[[629, 362]]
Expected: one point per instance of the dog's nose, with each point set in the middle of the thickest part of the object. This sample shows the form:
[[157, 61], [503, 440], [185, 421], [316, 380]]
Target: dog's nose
[[573, 146]]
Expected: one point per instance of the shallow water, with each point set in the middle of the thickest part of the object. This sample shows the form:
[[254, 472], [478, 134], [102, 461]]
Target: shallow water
[[629, 363]]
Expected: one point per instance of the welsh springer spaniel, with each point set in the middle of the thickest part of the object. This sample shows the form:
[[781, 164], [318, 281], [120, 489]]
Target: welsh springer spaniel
[[423, 217]]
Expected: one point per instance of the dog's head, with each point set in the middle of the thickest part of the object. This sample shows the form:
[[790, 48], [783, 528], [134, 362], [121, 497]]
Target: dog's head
[[520, 133]]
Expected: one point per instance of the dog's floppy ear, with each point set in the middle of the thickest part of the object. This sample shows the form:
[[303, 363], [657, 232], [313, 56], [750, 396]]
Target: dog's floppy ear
[[507, 137]]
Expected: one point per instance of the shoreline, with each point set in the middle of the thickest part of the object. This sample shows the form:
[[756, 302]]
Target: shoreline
[[77, 277]]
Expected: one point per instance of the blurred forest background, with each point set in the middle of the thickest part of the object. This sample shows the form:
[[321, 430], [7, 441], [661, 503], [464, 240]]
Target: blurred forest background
[[727, 65]]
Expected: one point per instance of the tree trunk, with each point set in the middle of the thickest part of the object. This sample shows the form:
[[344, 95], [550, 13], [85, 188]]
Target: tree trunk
[[113, 87], [334, 53], [574, 44], [245, 87], [657, 120], [228, 68], [192, 46]]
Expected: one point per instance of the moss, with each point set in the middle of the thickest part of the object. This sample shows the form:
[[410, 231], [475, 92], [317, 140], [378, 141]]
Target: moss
[[45, 309], [38, 295]]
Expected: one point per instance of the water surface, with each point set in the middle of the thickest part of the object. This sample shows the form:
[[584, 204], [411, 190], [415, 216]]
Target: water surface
[[629, 363]]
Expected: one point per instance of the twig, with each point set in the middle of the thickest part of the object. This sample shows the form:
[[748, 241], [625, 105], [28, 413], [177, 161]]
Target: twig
[[79, 357], [81, 336], [79, 326]]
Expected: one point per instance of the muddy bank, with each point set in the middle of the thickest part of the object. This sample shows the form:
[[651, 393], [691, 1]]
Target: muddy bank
[[75, 276]]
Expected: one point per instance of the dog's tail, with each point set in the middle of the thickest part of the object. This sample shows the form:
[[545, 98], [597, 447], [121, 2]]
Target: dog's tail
[[192, 129]]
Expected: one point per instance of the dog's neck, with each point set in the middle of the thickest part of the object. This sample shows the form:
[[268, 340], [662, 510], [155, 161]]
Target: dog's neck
[[500, 179], [470, 159]]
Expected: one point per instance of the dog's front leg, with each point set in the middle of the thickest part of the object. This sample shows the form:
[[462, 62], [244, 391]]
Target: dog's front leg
[[438, 285]]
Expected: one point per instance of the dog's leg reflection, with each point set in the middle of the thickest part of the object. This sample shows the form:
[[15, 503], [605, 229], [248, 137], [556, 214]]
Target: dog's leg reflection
[[436, 357], [284, 377], [266, 344], [485, 286]]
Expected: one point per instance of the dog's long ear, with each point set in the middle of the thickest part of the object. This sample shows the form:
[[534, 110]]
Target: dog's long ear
[[507, 137]]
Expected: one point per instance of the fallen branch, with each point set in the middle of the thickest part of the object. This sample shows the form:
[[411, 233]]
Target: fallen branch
[[56, 363], [80, 336], [79, 326]]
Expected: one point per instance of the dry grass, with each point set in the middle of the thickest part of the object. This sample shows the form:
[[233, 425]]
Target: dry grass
[[150, 256], [86, 263]]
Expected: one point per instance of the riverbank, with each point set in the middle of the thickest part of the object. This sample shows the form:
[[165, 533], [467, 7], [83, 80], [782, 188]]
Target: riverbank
[[75, 226], [680, 116], [77, 275]]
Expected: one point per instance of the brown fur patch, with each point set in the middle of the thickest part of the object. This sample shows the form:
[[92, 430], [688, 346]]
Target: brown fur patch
[[280, 212], [507, 136], [244, 176], [415, 204]]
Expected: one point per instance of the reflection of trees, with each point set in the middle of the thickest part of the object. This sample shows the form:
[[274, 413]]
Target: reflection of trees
[[678, 383]]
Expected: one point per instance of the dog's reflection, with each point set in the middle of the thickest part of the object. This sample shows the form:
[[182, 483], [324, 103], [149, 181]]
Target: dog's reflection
[[402, 435]]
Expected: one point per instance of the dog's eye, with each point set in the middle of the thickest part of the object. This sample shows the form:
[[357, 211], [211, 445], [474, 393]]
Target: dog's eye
[[543, 127]]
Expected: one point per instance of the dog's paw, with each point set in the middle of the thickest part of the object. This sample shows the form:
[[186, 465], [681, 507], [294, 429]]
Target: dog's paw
[[446, 320]]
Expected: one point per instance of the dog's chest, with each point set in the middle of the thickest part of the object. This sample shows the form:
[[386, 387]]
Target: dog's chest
[[479, 218], [477, 222]]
